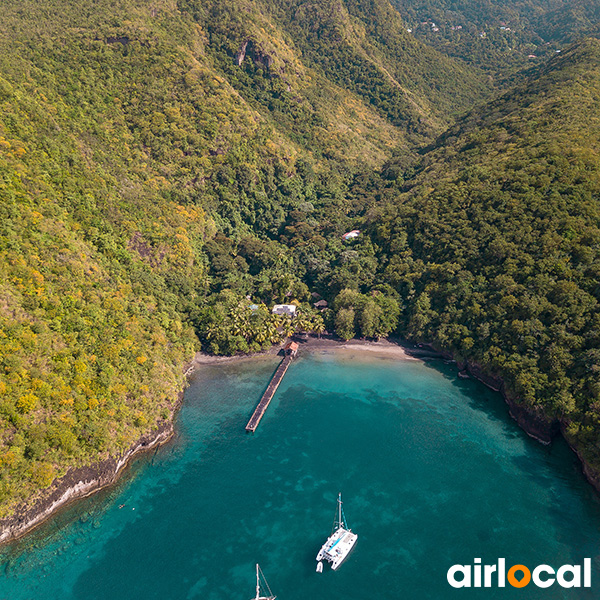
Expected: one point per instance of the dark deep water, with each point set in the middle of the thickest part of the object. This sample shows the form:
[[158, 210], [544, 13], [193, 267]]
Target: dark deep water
[[432, 469]]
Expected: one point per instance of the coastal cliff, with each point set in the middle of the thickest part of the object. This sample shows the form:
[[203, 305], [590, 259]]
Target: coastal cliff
[[533, 421], [78, 483]]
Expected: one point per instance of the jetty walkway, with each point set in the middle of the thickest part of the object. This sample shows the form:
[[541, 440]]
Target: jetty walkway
[[259, 411]]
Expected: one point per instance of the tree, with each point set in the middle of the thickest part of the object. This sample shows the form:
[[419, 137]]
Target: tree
[[388, 315], [344, 323], [347, 298], [318, 324], [369, 318]]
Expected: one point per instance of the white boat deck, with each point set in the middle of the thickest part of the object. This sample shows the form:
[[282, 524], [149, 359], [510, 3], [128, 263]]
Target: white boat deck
[[337, 547]]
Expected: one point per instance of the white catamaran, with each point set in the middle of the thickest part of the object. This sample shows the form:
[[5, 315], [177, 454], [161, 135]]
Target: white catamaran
[[339, 543], [259, 573]]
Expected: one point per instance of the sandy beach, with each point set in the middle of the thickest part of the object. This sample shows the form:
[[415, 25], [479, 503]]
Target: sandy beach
[[399, 350]]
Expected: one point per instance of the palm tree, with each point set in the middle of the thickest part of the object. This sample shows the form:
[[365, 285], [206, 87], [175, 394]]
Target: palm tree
[[318, 324], [301, 324], [288, 327], [261, 333], [239, 318]]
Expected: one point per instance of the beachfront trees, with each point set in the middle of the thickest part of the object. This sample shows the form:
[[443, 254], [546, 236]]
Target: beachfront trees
[[318, 324], [344, 323], [369, 318], [231, 324], [375, 315]]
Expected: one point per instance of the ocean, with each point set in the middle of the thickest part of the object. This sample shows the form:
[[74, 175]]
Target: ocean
[[432, 469]]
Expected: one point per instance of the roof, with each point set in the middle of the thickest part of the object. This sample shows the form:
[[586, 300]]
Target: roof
[[291, 346], [321, 304], [287, 309], [351, 234]]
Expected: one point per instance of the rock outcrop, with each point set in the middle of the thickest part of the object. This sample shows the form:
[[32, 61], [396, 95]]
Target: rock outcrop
[[253, 51]]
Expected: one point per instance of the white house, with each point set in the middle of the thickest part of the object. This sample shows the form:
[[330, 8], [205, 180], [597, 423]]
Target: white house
[[284, 309]]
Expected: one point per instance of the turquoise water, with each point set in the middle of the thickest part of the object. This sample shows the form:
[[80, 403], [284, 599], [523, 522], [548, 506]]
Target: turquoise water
[[432, 469]]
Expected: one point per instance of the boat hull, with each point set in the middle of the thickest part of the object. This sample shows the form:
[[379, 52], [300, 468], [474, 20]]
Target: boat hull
[[337, 547]]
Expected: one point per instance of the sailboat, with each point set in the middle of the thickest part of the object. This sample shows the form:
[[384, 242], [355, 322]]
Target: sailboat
[[339, 543], [260, 574]]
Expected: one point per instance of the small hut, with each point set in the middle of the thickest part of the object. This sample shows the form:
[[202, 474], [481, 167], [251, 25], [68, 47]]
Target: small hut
[[291, 348]]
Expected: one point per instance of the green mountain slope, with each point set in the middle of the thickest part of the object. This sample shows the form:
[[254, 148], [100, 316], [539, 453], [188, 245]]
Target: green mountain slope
[[162, 163], [493, 242], [155, 161], [504, 36]]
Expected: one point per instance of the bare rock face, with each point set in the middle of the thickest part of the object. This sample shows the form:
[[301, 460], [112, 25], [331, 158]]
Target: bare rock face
[[252, 50], [241, 54], [534, 423]]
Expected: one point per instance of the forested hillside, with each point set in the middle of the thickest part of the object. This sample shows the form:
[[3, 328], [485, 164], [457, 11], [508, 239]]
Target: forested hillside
[[157, 162], [493, 242], [169, 170], [502, 37]]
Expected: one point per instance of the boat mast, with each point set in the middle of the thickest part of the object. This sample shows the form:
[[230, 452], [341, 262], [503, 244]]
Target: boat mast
[[257, 584], [340, 510], [258, 576]]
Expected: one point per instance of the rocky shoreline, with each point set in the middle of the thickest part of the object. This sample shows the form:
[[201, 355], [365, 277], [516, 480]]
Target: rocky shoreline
[[534, 422], [78, 483], [83, 481]]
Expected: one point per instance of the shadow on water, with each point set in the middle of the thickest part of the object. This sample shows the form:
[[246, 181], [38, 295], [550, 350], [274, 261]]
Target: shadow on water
[[559, 461], [479, 396]]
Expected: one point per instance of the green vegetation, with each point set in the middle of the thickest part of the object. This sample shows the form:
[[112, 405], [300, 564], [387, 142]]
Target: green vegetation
[[504, 36], [493, 242], [230, 324], [371, 316], [169, 172], [152, 180]]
